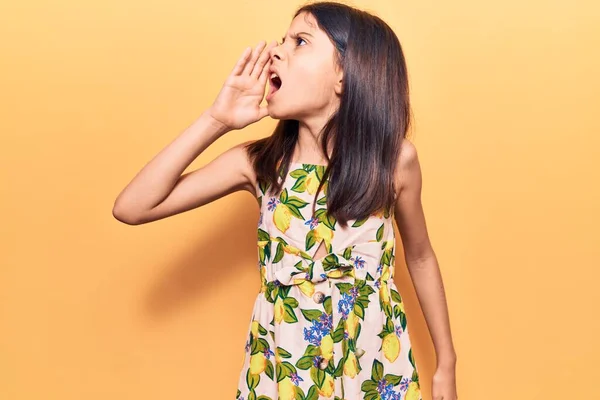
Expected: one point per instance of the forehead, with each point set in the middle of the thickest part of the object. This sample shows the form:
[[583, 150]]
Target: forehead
[[306, 22]]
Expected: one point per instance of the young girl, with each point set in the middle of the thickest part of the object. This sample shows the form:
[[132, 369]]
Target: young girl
[[328, 322]]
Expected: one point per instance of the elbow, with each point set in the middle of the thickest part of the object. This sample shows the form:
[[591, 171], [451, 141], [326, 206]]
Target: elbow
[[123, 215], [420, 259]]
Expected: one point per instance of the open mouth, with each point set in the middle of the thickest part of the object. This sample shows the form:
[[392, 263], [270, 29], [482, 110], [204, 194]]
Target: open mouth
[[275, 85]]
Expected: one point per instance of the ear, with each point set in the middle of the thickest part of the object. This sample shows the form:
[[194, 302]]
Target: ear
[[338, 83]]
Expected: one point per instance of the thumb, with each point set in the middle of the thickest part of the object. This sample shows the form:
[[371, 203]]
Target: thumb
[[262, 112]]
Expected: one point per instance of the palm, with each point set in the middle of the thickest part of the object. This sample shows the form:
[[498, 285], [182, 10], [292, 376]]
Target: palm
[[238, 102]]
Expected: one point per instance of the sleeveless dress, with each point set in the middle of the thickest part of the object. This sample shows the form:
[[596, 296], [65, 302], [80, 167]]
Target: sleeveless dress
[[331, 327]]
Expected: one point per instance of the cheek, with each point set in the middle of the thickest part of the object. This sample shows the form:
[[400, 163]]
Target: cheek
[[314, 84]]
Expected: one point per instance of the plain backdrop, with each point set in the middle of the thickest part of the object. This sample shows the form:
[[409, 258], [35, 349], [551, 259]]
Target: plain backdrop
[[505, 98]]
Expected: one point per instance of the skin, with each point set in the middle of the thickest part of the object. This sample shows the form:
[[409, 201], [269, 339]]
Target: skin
[[311, 83], [310, 93]]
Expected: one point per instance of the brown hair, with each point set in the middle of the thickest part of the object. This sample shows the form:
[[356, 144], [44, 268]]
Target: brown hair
[[368, 128]]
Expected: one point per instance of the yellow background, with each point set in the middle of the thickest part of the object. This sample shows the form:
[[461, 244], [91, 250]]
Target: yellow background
[[505, 99]]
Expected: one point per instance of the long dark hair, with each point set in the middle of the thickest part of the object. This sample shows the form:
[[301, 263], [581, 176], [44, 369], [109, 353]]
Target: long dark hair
[[367, 129]]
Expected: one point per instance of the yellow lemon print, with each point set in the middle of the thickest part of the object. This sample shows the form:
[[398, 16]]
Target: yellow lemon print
[[258, 363], [385, 273], [287, 389], [312, 182], [255, 329], [384, 293], [263, 273], [279, 310], [322, 232], [401, 306], [282, 217], [291, 250], [351, 365], [327, 347], [328, 386], [391, 346], [307, 287], [413, 392], [352, 324]]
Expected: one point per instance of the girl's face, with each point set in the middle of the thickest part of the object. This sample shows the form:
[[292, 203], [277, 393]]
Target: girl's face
[[310, 79]]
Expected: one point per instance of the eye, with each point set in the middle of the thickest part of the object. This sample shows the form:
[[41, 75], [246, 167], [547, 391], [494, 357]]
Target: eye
[[298, 38]]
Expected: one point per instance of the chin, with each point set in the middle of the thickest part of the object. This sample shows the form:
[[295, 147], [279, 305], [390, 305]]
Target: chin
[[273, 113]]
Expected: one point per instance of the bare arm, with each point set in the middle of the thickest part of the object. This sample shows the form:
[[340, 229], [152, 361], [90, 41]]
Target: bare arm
[[159, 190], [420, 258]]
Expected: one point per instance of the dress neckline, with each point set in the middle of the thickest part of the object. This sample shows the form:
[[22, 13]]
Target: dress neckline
[[305, 163]]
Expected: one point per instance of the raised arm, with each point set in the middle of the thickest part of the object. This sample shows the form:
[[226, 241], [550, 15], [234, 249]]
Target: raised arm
[[160, 190]]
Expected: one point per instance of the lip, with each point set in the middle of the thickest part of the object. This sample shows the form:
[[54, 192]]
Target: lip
[[270, 95], [273, 69]]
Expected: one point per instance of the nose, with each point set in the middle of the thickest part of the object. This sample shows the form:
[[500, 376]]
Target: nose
[[275, 52]]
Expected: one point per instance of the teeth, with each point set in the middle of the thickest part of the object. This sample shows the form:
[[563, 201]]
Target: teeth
[[274, 75]]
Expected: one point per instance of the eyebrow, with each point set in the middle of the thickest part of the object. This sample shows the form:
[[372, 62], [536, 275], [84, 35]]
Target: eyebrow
[[296, 34]]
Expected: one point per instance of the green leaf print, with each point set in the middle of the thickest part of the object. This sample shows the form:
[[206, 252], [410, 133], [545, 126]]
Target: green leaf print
[[359, 310], [293, 203], [344, 287], [312, 315], [338, 333], [379, 234], [373, 395], [317, 375], [292, 302], [261, 330], [300, 185], [324, 218], [252, 380], [312, 394], [263, 397], [386, 258], [296, 202], [284, 369], [312, 350], [259, 345], [269, 369], [377, 371], [396, 296], [310, 240], [289, 315], [368, 386], [278, 253], [304, 362], [283, 353], [393, 379], [359, 222], [327, 305]]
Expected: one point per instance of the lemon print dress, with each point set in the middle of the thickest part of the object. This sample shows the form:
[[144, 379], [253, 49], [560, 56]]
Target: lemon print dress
[[327, 327]]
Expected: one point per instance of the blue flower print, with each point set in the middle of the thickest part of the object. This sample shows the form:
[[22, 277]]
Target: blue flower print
[[359, 263], [313, 222], [273, 201], [268, 353], [296, 379]]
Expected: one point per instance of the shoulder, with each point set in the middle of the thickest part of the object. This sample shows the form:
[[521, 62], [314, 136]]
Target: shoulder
[[408, 171]]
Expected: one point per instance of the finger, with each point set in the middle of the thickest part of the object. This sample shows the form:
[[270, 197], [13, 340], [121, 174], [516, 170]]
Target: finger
[[262, 79], [239, 66], [262, 112], [264, 57], [250, 64]]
